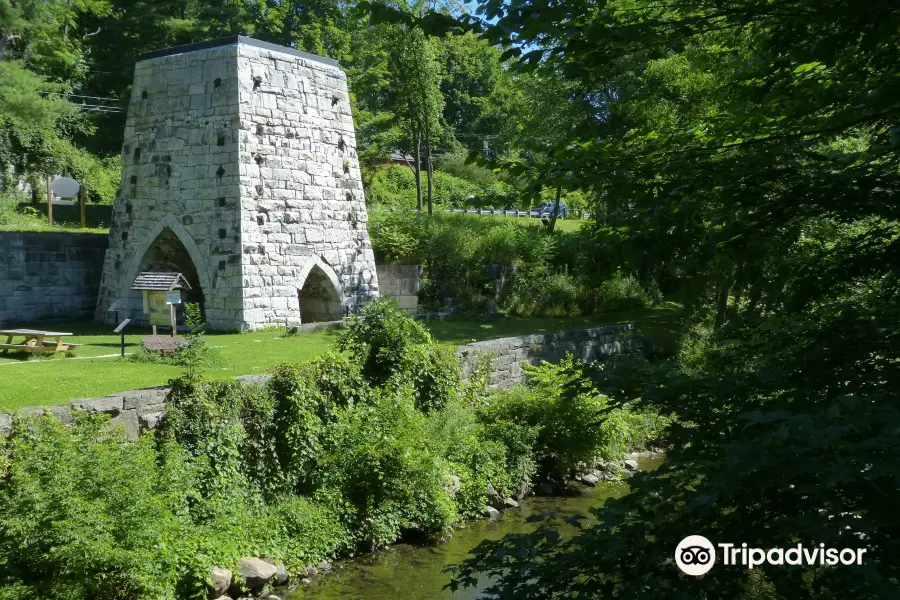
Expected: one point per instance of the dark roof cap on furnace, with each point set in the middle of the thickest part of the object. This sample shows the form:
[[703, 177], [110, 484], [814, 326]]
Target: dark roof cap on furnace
[[233, 40]]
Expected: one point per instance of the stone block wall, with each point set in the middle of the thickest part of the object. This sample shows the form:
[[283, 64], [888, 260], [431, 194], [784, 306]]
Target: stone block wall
[[303, 212], [178, 203], [136, 410], [139, 410], [240, 171], [400, 282], [49, 276], [508, 354]]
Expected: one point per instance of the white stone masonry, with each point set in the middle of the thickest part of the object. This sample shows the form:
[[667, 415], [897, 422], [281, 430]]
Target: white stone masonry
[[240, 170]]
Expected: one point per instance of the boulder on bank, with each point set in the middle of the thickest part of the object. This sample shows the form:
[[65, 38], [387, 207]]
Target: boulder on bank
[[256, 572], [490, 512], [281, 575], [452, 484], [510, 503], [590, 480], [631, 464], [494, 497], [221, 581], [324, 567], [522, 491]]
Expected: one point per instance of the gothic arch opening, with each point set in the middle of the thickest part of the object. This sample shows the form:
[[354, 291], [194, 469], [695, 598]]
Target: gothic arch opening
[[168, 254], [319, 300]]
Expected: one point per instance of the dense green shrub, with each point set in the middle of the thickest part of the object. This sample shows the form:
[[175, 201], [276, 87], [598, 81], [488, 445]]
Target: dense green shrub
[[523, 270], [472, 455], [204, 418], [351, 450], [432, 372], [393, 185], [380, 337], [569, 421], [307, 399], [384, 467], [85, 513], [450, 190], [622, 292], [395, 350], [543, 293], [455, 164], [309, 531]]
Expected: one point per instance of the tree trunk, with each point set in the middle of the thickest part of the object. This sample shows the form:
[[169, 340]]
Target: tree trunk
[[612, 211], [429, 168], [755, 296], [4, 42], [418, 149], [555, 210], [722, 300]]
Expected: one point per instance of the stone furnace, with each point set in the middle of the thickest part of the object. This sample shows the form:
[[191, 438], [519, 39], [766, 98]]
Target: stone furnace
[[239, 170]]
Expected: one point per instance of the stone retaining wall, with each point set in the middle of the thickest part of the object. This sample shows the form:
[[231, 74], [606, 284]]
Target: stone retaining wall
[[508, 354], [49, 275], [400, 282], [139, 410], [136, 410]]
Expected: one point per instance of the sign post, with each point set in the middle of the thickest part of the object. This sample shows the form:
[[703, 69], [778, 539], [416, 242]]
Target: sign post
[[173, 298], [121, 329], [65, 188], [82, 196], [49, 201]]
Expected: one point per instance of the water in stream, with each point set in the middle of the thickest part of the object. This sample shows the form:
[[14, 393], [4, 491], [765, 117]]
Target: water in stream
[[408, 572]]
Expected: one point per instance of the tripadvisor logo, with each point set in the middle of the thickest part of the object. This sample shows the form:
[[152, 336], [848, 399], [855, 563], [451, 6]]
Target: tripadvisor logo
[[696, 555]]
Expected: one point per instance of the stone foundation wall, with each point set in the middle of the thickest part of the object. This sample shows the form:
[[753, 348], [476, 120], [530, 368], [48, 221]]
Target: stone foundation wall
[[49, 276], [136, 410], [139, 410], [400, 282], [508, 354]]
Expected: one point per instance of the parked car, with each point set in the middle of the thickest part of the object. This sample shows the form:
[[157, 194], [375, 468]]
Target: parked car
[[545, 209]]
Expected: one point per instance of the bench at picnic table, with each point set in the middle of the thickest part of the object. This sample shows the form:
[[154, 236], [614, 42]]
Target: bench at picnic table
[[34, 341]]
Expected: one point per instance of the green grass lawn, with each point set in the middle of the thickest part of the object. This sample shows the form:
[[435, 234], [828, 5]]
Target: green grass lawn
[[54, 380], [66, 219], [661, 324], [21, 217], [570, 224]]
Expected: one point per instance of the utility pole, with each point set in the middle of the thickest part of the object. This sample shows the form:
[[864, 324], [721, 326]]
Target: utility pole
[[49, 200], [83, 201]]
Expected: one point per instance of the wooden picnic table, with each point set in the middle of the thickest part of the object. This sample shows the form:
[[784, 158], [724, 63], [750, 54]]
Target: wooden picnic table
[[34, 341]]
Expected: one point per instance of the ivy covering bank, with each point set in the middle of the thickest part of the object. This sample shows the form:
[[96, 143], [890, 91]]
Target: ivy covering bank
[[347, 453]]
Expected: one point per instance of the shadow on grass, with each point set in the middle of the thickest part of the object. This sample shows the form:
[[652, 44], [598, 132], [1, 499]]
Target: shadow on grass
[[663, 325], [22, 356]]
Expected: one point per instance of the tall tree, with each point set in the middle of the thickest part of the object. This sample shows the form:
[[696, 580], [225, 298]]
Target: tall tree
[[42, 61], [416, 76], [750, 150]]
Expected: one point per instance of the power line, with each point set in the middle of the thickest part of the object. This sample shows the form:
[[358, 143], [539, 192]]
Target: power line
[[100, 108], [79, 96]]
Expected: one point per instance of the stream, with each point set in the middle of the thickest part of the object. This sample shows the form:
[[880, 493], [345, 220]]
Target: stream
[[412, 572]]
